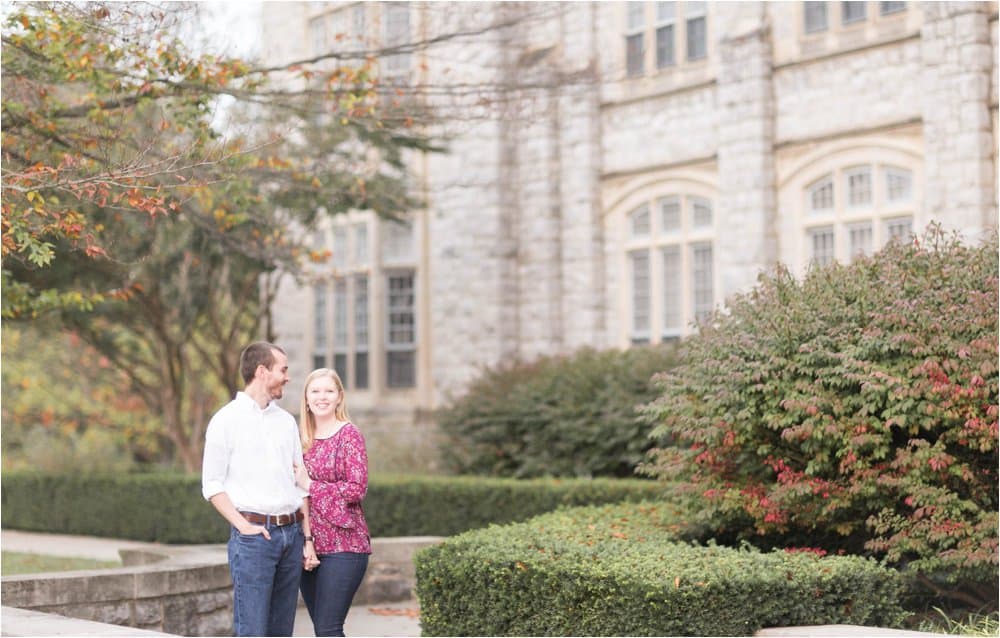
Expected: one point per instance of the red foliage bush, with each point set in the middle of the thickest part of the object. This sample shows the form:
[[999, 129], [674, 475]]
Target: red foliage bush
[[853, 410]]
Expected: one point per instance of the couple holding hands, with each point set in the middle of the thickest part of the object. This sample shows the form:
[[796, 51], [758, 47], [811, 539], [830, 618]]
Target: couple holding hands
[[292, 495]]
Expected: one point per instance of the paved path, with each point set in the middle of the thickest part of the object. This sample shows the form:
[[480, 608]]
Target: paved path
[[389, 619]]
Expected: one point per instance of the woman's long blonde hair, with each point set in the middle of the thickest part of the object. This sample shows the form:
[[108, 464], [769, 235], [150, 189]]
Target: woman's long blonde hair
[[307, 422]]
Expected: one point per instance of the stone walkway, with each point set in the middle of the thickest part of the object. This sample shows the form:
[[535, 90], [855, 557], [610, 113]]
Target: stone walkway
[[388, 619]]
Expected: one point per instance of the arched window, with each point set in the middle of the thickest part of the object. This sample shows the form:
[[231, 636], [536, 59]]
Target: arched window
[[857, 209], [848, 198], [669, 266]]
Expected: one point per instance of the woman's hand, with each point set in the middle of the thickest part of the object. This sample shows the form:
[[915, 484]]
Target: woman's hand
[[302, 476]]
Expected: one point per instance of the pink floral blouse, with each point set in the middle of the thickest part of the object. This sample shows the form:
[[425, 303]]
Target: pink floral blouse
[[338, 467]]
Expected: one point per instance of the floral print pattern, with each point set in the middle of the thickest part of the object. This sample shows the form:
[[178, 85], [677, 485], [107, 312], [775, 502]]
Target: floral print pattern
[[338, 467]]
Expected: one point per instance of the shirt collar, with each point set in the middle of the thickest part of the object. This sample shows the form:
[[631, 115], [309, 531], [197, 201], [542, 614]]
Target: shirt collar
[[246, 399]]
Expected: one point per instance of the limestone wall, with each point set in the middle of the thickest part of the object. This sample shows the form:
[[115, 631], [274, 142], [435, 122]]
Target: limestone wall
[[185, 590], [550, 142]]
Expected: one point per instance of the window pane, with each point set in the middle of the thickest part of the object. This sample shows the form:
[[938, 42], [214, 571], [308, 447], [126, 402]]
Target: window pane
[[670, 210], [695, 8], [697, 35], [361, 313], [701, 212], [401, 369], [821, 240], [633, 55], [397, 33], [665, 46], [336, 26], [317, 33], [898, 185], [340, 365], [340, 315], [361, 331], [401, 307], [640, 292], [821, 194], [815, 17], [401, 334], [666, 11], [859, 186], [640, 221], [886, 8], [319, 323], [339, 256], [852, 11], [672, 286], [701, 280], [860, 236], [361, 370], [899, 229], [360, 22], [397, 242], [636, 16], [361, 244]]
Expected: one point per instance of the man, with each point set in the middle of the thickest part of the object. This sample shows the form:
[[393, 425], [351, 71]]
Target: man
[[251, 446]]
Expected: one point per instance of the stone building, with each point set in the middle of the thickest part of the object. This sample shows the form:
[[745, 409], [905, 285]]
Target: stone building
[[635, 164]]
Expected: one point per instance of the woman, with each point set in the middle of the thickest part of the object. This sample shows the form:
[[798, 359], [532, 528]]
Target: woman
[[336, 476]]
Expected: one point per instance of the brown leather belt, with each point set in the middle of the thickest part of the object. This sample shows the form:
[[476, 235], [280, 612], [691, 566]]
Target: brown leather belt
[[272, 519]]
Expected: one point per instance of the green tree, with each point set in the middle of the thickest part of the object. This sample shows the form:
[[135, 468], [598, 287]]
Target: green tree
[[66, 408], [129, 220], [854, 410], [104, 108]]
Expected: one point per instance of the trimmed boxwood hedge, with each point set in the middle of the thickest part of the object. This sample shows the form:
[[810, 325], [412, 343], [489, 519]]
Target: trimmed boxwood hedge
[[169, 508], [619, 571]]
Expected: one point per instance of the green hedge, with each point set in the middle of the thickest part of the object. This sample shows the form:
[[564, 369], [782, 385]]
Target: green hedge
[[169, 508], [571, 415], [618, 571]]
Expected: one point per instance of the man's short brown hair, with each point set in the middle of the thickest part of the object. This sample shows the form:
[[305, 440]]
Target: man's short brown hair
[[258, 353]]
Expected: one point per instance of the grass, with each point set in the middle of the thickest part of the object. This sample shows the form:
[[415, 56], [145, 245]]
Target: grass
[[23, 563], [970, 625]]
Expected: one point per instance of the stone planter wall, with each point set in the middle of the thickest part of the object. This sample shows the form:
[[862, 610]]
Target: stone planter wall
[[176, 590], [185, 590]]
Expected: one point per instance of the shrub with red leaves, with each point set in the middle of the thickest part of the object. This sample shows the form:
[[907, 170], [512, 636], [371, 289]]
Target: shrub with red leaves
[[852, 410]]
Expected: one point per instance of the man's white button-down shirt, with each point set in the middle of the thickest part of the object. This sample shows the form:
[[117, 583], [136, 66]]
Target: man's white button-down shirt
[[249, 453]]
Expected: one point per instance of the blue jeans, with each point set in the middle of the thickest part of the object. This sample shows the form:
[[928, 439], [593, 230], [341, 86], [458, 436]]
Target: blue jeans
[[329, 589], [265, 580]]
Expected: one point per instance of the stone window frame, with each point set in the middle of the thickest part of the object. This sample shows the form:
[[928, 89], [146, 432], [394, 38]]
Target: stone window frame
[[649, 317], [685, 14]]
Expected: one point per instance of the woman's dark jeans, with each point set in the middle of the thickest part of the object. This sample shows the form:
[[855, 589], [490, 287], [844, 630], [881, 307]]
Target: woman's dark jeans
[[329, 589]]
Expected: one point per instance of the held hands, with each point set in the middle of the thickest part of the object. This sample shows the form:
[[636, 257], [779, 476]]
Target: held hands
[[302, 476], [309, 559]]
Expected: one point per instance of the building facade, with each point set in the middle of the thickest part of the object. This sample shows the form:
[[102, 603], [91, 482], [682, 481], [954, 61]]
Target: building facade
[[619, 168]]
